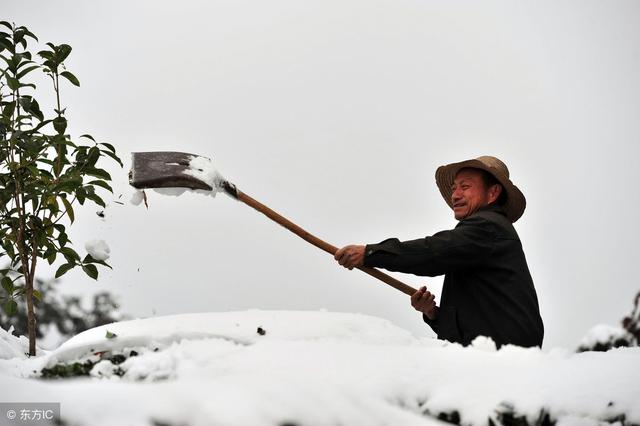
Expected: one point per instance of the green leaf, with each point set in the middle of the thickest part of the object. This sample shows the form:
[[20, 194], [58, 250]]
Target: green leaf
[[11, 308], [8, 109], [109, 147], [99, 173], [12, 82], [68, 185], [89, 259], [114, 156], [101, 184], [6, 24], [27, 71], [29, 33], [96, 199], [91, 270], [110, 335], [37, 295], [5, 44], [68, 208], [7, 284], [81, 195], [72, 78], [62, 52], [88, 137], [63, 269], [34, 109], [69, 253]]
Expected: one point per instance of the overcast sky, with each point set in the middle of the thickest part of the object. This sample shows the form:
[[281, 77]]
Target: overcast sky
[[336, 114]]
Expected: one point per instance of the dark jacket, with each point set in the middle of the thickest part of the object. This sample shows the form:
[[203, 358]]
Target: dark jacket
[[487, 288]]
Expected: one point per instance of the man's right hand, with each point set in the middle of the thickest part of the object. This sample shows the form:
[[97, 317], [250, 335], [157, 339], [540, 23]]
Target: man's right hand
[[423, 301]]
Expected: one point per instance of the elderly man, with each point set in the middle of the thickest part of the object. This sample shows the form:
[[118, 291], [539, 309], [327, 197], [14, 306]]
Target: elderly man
[[487, 288]]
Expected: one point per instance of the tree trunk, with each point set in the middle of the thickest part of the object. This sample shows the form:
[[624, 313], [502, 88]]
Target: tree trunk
[[31, 317]]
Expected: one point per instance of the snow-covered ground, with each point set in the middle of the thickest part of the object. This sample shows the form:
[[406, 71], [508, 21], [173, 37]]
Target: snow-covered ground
[[313, 368]]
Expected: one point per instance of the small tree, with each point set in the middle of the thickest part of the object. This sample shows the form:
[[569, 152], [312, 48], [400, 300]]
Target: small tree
[[43, 172]]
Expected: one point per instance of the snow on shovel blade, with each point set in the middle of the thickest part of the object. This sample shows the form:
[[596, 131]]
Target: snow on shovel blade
[[164, 169]]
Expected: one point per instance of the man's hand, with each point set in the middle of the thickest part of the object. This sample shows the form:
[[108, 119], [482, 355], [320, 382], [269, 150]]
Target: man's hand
[[423, 301], [350, 256]]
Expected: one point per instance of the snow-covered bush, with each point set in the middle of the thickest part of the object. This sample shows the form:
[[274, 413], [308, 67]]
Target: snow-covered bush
[[12, 346], [603, 337]]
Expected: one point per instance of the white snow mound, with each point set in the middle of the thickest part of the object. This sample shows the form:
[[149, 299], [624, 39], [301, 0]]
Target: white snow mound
[[12, 346], [237, 327], [321, 368]]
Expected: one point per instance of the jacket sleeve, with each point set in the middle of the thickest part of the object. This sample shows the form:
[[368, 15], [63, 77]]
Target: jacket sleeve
[[466, 246], [446, 324]]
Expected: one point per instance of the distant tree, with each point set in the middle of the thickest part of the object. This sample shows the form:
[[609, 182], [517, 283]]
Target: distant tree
[[65, 312], [43, 172]]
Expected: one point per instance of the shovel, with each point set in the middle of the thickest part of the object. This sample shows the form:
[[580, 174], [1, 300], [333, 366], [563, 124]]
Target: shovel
[[165, 169]]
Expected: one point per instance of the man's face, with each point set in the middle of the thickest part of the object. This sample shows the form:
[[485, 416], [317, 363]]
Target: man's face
[[469, 193]]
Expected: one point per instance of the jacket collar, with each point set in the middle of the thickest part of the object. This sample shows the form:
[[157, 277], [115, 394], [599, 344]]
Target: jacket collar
[[489, 208]]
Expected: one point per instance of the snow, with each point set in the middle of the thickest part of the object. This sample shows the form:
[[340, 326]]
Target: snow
[[98, 249], [137, 197], [52, 337], [603, 333], [12, 346], [321, 368], [204, 169], [201, 168], [484, 343], [173, 192]]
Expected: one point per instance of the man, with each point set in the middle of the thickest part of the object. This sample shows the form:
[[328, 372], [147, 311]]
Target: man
[[487, 288]]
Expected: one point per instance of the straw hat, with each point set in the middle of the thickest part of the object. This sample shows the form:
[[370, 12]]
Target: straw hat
[[515, 203]]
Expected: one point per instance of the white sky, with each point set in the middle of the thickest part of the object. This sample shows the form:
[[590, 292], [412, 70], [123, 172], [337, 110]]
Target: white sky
[[336, 114]]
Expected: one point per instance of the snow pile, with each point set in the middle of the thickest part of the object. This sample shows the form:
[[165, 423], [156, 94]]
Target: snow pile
[[603, 333], [12, 346], [322, 368], [97, 249], [237, 327], [603, 337], [14, 356]]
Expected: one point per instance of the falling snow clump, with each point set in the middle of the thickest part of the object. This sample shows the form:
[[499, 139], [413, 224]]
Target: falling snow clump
[[137, 198]]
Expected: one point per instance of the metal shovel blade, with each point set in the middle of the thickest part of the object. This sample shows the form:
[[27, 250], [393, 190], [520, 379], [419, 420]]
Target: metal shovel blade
[[163, 169]]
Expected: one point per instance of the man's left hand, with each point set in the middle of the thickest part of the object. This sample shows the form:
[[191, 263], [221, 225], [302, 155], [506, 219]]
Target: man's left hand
[[350, 256]]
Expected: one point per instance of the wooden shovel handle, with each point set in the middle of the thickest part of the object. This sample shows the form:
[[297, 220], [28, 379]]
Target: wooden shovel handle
[[241, 196]]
